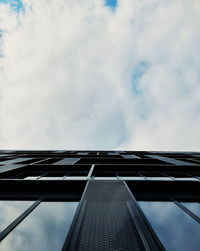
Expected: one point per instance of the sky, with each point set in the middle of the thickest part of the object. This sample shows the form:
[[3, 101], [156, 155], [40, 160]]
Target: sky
[[100, 74]]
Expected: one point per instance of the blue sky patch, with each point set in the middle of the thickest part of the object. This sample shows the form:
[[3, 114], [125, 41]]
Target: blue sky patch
[[111, 3], [16, 5], [139, 71]]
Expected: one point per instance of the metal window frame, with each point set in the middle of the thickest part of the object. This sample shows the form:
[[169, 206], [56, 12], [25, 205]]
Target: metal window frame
[[20, 218]]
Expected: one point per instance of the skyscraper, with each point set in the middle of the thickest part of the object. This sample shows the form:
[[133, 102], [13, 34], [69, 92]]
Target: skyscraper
[[99, 200]]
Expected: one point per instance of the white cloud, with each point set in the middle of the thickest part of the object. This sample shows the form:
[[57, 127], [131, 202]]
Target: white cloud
[[66, 75]]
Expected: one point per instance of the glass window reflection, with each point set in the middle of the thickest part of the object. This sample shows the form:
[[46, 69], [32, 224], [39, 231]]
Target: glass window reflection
[[10, 210], [175, 228], [193, 207], [44, 229]]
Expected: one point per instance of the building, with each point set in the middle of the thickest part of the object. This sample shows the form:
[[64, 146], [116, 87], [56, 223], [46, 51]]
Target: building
[[99, 200]]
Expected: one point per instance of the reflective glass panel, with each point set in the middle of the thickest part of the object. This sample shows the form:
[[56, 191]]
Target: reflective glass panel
[[175, 228], [67, 161], [44, 229], [130, 157], [10, 210], [171, 160], [193, 207], [17, 160]]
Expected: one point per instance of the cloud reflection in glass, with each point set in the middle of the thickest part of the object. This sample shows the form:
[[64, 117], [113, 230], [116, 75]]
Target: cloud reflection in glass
[[193, 207], [10, 210], [44, 229], [175, 228]]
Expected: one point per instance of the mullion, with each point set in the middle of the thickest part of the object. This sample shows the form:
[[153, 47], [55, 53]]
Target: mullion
[[141, 174], [186, 210], [194, 176], [172, 177], [36, 162], [42, 175], [90, 172], [11, 226]]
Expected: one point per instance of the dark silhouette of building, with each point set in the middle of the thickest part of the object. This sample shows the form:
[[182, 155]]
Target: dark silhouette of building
[[99, 200]]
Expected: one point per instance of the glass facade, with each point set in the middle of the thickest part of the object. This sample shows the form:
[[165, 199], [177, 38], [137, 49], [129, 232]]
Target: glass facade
[[117, 200], [45, 228], [193, 207], [10, 210], [174, 227]]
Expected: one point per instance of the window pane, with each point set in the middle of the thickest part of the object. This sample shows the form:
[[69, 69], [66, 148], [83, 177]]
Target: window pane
[[44, 229], [10, 210], [67, 161], [176, 229], [193, 207], [11, 161], [130, 157], [172, 161]]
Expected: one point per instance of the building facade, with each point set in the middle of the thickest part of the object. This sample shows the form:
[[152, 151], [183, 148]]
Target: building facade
[[99, 200]]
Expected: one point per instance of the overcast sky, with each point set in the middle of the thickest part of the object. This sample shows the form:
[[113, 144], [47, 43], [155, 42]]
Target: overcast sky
[[95, 74]]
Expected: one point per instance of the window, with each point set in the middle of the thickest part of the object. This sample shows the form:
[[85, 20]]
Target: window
[[174, 227], [171, 160], [130, 156], [10, 210], [67, 161], [44, 229], [16, 160], [194, 207]]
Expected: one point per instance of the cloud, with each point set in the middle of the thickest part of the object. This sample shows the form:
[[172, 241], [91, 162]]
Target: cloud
[[67, 70], [16, 5]]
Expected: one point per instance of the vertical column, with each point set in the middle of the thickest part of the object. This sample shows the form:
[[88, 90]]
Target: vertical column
[[105, 220]]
